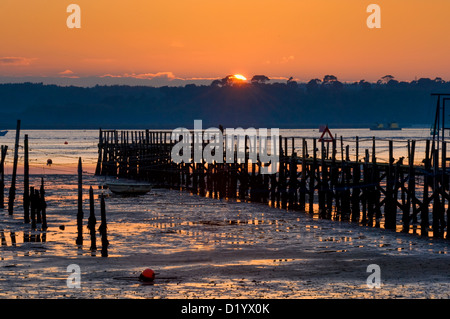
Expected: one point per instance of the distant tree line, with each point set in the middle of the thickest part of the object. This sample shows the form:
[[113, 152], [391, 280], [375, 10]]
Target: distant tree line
[[258, 102]]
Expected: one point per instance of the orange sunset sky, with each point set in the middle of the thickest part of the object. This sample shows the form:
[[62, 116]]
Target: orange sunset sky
[[207, 39]]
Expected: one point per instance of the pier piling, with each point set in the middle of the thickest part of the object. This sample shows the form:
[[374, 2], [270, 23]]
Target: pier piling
[[26, 183], [92, 220], [12, 190], [43, 206], [103, 227], [4, 149], [79, 240]]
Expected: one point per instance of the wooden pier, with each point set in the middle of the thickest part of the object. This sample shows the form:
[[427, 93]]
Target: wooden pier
[[337, 179]]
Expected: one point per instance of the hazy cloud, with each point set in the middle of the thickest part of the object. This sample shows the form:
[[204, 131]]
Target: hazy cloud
[[68, 74], [15, 61], [150, 76], [169, 76], [110, 76], [283, 78], [202, 79], [146, 76]]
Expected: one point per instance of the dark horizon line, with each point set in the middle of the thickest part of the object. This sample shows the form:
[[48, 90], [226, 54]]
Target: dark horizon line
[[136, 82]]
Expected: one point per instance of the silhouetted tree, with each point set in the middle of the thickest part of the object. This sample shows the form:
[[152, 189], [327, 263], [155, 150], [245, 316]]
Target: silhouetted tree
[[291, 83], [216, 83], [259, 79], [329, 79], [425, 82], [313, 85], [385, 79], [392, 83], [231, 80], [331, 82], [228, 80], [364, 85]]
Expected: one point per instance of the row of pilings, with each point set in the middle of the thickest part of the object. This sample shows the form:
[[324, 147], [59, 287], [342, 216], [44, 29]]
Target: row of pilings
[[35, 206], [404, 194]]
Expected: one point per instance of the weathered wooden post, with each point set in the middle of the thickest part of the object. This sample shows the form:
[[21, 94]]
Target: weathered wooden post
[[92, 221], [390, 207], [201, 178], [273, 186], [323, 181], [365, 189], [333, 178], [43, 206], [104, 156], [280, 179], [372, 191], [38, 206], [376, 194], [356, 186], [302, 195], [436, 197], [12, 190], [98, 168], [410, 195], [4, 150], [253, 194], [312, 173], [33, 208], [26, 183], [424, 224], [103, 227], [293, 179], [13, 238], [283, 173], [346, 178], [444, 188], [244, 177], [79, 240]]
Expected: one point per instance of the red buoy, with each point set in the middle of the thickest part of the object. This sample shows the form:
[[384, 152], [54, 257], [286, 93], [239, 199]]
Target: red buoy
[[147, 275]]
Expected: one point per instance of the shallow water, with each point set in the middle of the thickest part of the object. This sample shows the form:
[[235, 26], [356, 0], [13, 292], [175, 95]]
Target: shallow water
[[208, 248]]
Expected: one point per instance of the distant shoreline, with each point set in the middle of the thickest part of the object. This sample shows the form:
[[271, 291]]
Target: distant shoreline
[[277, 105]]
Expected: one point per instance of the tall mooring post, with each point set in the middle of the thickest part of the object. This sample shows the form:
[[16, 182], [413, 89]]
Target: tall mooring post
[[12, 190]]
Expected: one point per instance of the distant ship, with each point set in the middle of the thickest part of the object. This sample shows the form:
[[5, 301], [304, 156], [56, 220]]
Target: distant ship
[[3, 133], [393, 126]]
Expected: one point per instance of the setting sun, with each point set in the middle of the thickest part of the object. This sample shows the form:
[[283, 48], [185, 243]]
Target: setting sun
[[240, 77]]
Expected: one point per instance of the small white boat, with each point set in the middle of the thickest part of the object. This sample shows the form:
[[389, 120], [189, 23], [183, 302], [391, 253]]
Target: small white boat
[[129, 188]]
